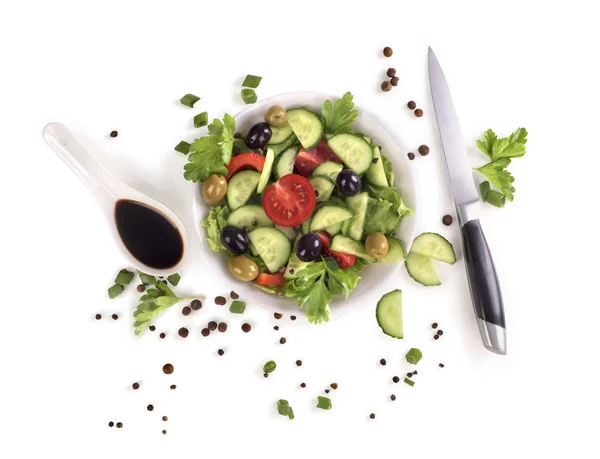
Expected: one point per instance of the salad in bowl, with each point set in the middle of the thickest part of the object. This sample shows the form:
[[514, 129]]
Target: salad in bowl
[[300, 202]]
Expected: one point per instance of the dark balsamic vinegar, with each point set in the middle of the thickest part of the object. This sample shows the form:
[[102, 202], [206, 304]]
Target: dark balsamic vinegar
[[148, 234]]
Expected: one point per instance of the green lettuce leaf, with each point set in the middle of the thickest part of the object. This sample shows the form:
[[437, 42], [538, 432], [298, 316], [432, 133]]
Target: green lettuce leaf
[[214, 223], [392, 195], [382, 217]]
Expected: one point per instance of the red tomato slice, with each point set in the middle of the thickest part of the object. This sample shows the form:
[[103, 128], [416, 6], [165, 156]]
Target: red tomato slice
[[289, 201], [270, 279], [245, 161], [306, 161], [343, 259]]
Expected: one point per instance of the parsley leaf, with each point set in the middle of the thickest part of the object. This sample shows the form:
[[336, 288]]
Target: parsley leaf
[[339, 116], [498, 176], [222, 133], [315, 299], [214, 223], [486, 145]]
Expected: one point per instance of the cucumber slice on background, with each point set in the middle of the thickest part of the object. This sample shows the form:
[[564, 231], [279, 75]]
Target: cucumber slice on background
[[247, 216], [266, 172], [376, 173], [396, 251], [281, 147], [306, 125], [432, 245], [280, 134], [328, 168], [334, 229], [348, 245], [421, 269], [389, 314], [353, 150], [327, 215], [345, 227], [323, 187], [241, 187], [272, 246], [306, 226], [285, 162], [289, 231], [358, 204]]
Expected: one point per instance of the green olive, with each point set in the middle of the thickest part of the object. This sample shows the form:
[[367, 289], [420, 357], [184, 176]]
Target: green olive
[[276, 116], [214, 189], [243, 268], [376, 245]]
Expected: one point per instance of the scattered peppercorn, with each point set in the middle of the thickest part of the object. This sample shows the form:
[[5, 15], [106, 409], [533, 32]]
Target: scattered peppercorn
[[411, 104], [282, 340], [222, 327], [233, 295], [298, 363], [372, 415], [383, 362], [409, 375], [205, 332], [164, 418], [196, 304], [98, 316], [220, 352], [220, 300], [424, 150], [183, 332], [186, 311], [440, 332], [441, 365], [391, 72], [141, 288], [292, 317], [266, 375], [395, 81], [110, 424], [115, 316], [415, 372], [434, 325], [392, 397], [135, 386], [246, 327], [114, 134], [212, 325], [411, 156], [396, 379], [436, 336], [173, 387], [334, 386], [386, 86], [168, 369], [119, 425], [276, 327], [280, 292], [150, 407], [151, 328], [162, 336], [387, 51], [447, 220], [326, 391], [418, 113], [303, 385], [164, 432], [277, 315]]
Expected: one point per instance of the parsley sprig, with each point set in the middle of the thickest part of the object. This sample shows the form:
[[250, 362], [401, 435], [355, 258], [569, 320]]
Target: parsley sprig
[[340, 115]]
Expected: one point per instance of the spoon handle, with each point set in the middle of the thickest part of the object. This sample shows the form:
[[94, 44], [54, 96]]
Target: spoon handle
[[102, 185]]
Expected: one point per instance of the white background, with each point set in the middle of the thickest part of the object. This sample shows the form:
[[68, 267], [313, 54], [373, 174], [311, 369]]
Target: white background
[[99, 66]]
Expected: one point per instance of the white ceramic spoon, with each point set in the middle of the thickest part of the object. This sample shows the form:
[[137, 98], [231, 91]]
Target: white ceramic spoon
[[108, 190]]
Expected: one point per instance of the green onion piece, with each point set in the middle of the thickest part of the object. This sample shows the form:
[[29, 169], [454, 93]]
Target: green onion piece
[[153, 293], [201, 120], [410, 382], [237, 307], [495, 199], [484, 189], [174, 279], [147, 279], [269, 367], [252, 81], [249, 96], [183, 147], [414, 355], [291, 413], [115, 291], [124, 277], [189, 100], [284, 408], [324, 403]]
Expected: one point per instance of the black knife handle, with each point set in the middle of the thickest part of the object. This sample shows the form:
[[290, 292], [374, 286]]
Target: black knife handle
[[483, 280]]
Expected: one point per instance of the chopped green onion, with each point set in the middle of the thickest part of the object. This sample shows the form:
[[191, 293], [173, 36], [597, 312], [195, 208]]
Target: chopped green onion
[[153, 293], [284, 408], [115, 291], [269, 367], [410, 382], [249, 96], [484, 189], [183, 147], [324, 403], [237, 307], [124, 277], [252, 81], [189, 100], [291, 413], [495, 199], [201, 120], [147, 279], [174, 279], [414, 355]]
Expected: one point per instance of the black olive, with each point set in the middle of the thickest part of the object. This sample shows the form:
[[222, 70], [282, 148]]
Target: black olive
[[258, 136], [235, 240]]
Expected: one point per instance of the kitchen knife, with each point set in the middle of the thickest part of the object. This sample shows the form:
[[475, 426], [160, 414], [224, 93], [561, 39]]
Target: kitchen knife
[[481, 273]]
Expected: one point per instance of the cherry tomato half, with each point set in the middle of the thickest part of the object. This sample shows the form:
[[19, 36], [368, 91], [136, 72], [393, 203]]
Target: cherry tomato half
[[245, 161], [307, 160], [343, 259], [289, 201], [270, 279]]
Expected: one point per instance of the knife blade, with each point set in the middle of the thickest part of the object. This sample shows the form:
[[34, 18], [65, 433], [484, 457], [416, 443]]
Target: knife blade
[[481, 272]]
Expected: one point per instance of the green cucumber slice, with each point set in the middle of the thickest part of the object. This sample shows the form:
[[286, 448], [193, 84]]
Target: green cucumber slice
[[353, 150], [389, 314], [421, 269], [285, 162], [328, 168], [281, 147], [251, 216], [280, 134], [272, 246], [306, 226], [432, 245], [327, 215], [369, 140], [358, 204], [289, 231], [334, 229], [396, 251], [345, 227], [306, 125], [376, 173], [266, 172], [323, 187], [241, 187], [348, 245]]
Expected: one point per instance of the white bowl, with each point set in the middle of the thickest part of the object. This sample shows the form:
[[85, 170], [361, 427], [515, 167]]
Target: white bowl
[[366, 124]]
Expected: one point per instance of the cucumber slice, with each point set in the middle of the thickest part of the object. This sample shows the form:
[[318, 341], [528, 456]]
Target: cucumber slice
[[353, 150], [369, 140], [348, 245], [389, 314], [345, 227], [432, 245], [334, 229], [290, 232], [272, 246], [266, 172], [248, 216], [285, 162], [421, 269], [328, 215], [376, 173], [306, 125], [396, 251], [280, 134], [281, 147], [328, 168], [241, 187], [323, 186], [358, 204], [306, 226]]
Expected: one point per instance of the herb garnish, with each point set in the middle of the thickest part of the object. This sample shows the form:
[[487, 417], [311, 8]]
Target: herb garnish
[[340, 115]]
